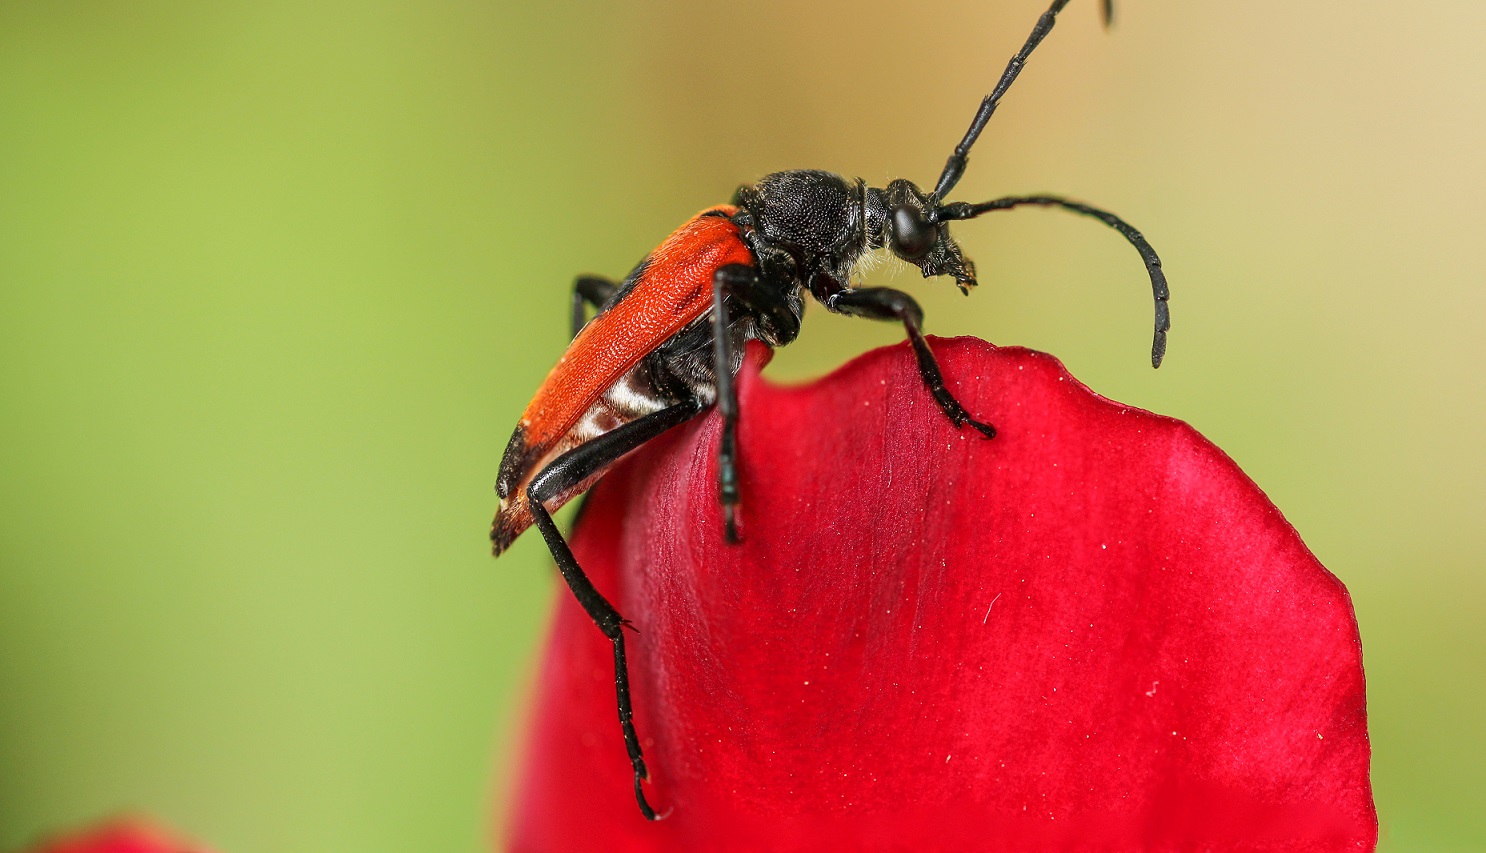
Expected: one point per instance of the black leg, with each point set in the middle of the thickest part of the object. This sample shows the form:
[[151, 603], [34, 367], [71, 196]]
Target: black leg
[[567, 472], [591, 290], [727, 395], [741, 284], [885, 303]]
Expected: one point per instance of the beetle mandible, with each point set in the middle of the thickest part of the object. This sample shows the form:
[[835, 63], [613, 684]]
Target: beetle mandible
[[666, 343]]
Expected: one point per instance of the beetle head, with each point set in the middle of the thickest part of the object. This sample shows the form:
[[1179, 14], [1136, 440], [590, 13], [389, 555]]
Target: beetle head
[[907, 221]]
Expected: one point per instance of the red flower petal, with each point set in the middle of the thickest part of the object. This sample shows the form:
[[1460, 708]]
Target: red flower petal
[[122, 835], [1093, 632]]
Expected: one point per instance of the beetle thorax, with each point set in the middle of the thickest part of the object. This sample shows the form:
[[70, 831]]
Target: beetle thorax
[[815, 216]]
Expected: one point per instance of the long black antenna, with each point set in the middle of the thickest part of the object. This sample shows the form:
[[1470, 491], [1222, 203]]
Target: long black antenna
[[955, 167], [962, 210]]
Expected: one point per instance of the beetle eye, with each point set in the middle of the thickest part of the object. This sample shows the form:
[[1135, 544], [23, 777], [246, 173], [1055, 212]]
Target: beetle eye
[[912, 235]]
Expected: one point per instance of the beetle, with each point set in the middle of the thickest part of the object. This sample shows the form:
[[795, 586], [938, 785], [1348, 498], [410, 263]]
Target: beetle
[[667, 342]]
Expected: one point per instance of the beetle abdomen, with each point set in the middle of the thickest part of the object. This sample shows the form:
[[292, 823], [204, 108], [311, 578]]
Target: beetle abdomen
[[632, 397]]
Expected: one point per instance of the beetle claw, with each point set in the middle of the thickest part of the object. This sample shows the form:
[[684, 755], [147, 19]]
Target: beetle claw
[[645, 809], [984, 429]]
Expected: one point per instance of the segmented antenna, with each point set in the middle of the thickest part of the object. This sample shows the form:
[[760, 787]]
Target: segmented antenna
[[955, 166], [962, 210]]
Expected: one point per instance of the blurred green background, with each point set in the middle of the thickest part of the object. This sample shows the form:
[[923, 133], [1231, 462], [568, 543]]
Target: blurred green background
[[277, 278]]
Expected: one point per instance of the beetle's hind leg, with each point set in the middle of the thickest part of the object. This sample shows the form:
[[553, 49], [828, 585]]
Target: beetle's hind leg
[[567, 472], [590, 290], [885, 303]]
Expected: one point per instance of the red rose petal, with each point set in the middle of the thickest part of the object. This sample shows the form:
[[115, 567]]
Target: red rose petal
[[1093, 632], [121, 835]]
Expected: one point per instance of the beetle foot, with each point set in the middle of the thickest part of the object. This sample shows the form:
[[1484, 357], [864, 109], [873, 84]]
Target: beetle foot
[[645, 809], [984, 429]]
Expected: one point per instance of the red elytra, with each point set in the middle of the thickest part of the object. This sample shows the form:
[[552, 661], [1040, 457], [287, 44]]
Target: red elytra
[[1093, 632], [677, 282]]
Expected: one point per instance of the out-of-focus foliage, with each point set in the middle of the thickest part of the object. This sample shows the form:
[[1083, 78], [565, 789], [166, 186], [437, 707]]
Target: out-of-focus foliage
[[276, 279]]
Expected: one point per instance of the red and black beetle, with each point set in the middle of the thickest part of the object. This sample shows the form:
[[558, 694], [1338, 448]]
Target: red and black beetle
[[667, 342]]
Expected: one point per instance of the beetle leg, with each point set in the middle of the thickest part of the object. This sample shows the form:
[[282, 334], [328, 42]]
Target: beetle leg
[[567, 472], [776, 322], [724, 282], [885, 303], [592, 290]]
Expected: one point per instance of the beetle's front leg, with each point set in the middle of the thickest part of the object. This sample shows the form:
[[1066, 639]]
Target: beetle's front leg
[[590, 290], [724, 281], [565, 473], [777, 322], [885, 303]]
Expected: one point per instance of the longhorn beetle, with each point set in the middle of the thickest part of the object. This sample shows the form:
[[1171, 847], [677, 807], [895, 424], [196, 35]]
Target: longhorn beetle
[[667, 341]]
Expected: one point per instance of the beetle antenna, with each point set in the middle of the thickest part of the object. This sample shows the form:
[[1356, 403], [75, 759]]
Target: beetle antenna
[[955, 167], [962, 210]]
